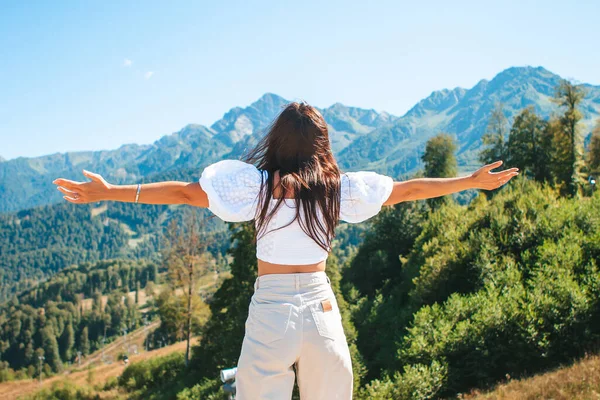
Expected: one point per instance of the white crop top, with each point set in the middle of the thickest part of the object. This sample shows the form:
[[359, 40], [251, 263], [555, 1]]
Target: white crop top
[[233, 188]]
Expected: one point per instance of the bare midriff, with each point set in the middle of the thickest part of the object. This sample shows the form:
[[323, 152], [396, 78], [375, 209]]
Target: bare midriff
[[265, 267]]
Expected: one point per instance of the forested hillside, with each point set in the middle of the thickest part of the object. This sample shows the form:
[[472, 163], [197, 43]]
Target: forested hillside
[[469, 294], [54, 320], [39, 242]]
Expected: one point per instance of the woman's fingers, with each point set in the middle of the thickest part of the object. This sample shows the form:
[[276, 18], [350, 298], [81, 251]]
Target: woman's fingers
[[66, 183], [506, 175], [493, 165], [68, 192], [506, 171], [504, 179], [78, 200]]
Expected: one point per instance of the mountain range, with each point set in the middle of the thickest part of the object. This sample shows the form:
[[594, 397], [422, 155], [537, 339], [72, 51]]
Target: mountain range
[[361, 138]]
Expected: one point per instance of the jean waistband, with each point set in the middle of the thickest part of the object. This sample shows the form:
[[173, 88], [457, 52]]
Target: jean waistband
[[297, 280]]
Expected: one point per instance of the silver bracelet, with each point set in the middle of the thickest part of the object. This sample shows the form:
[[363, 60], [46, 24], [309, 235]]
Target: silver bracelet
[[137, 195]]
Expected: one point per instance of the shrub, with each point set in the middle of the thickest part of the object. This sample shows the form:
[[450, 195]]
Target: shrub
[[208, 389], [64, 390], [417, 382], [152, 373]]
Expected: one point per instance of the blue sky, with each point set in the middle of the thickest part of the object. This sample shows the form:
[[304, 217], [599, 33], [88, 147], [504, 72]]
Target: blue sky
[[95, 75]]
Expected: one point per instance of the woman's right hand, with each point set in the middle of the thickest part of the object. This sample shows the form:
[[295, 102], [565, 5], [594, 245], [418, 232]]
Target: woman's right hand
[[84, 192]]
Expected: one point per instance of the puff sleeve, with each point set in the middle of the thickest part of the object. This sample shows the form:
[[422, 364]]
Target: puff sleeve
[[363, 194], [232, 187]]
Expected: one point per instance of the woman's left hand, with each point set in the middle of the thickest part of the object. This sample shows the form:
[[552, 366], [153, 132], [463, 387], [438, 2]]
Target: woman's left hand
[[83, 192], [483, 178]]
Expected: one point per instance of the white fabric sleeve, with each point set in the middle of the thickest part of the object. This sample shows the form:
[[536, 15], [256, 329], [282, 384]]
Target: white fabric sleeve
[[363, 194], [233, 188]]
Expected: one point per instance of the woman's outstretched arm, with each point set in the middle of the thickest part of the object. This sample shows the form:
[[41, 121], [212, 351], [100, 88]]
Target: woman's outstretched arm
[[170, 192], [426, 188]]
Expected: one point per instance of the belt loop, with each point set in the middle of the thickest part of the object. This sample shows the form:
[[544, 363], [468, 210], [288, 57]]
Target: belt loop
[[297, 282], [256, 283]]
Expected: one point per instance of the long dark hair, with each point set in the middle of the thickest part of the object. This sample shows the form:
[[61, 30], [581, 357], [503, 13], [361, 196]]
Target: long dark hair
[[297, 144]]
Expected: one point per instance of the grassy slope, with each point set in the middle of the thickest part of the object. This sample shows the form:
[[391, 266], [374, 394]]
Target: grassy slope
[[579, 381], [100, 374]]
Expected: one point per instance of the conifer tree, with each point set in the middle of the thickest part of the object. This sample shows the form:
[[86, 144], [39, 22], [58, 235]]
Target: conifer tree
[[594, 152], [223, 333], [495, 136], [84, 342], [440, 162], [185, 258], [67, 341], [528, 146], [568, 158], [51, 351]]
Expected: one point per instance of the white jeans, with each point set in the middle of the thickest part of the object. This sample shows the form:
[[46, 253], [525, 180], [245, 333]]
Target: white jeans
[[291, 322]]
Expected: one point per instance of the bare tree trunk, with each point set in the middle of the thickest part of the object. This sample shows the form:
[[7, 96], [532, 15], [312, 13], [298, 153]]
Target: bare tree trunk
[[189, 311]]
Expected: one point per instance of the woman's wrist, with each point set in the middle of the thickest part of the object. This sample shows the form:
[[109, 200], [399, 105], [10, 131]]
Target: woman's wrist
[[108, 191], [122, 193], [470, 181]]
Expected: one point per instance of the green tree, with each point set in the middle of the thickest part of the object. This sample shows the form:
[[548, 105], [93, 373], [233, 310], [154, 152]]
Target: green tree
[[84, 341], [529, 145], [51, 351], [335, 276], [67, 341], [494, 138], [594, 152], [223, 334], [568, 158], [185, 258], [440, 162], [376, 282]]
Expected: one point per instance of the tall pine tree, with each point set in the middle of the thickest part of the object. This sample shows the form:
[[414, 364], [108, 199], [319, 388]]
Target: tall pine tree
[[594, 152], [224, 332], [494, 139], [529, 145], [568, 158], [440, 162]]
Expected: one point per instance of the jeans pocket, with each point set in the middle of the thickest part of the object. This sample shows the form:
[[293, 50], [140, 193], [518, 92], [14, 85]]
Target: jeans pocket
[[328, 321], [268, 323]]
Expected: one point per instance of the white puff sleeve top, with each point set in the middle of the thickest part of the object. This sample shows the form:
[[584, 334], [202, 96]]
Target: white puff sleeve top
[[363, 195], [233, 187]]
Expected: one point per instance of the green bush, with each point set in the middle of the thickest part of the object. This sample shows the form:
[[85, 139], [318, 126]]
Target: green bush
[[153, 373], [208, 389], [111, 383], [417, 382], [64, 390], [504, 286]]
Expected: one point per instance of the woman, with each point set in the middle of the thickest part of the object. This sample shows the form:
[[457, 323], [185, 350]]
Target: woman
[[291, 186]]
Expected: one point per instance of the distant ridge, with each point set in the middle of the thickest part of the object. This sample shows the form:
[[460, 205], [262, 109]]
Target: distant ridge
[[361, 138], [395, 149]]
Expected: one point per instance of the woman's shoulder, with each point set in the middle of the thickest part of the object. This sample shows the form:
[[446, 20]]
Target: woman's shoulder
[[229, 165], [364, 182], [232, 187], [363, 194], [234, 170]]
